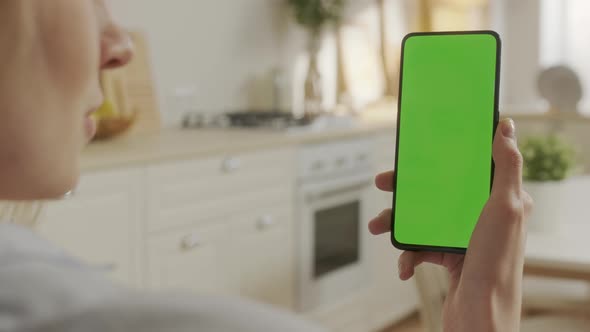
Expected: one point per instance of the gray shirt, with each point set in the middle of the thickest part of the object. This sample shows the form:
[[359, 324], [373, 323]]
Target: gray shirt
[[44, 289]]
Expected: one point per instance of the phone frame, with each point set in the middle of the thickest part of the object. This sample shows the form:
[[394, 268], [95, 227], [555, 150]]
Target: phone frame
[[413, 247]]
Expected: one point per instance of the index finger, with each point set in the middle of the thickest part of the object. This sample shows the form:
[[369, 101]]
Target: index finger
[[384, 181], [507, 159]]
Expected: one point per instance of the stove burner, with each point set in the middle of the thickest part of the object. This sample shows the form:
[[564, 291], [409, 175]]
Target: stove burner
[[253, 119], [265, 119]]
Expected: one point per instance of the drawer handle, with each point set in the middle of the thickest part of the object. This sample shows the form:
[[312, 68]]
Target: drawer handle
[[318, 166], [109, 267], [230, 165], [265, 222], [362, 157], [190, 242]]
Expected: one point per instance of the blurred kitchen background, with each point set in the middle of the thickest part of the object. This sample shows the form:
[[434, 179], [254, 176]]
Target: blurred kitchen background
[[236, 155]]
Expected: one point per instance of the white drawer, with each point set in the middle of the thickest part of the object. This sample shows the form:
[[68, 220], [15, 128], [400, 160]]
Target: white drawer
[[188, 239], [194, 259], [201, 212], [103, 183], [188, 193], [384, 151], [265, 266], [276, 217], [178, 195], [248, 253], [269, 162]]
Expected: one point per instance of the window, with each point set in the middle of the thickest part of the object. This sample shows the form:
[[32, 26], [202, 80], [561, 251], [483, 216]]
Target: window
[[564, 40]]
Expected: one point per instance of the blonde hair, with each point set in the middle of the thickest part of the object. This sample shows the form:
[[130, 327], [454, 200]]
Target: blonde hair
[[21, 213]]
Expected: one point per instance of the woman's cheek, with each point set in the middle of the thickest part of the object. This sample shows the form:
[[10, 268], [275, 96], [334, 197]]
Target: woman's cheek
[[72, 46]]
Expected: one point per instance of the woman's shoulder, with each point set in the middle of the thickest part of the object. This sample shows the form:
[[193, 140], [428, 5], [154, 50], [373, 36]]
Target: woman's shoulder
[[179, 313], [39, 280], [17, 240], [44, 289]]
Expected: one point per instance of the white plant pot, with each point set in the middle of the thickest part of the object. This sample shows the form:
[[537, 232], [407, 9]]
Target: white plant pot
[[547, 213]]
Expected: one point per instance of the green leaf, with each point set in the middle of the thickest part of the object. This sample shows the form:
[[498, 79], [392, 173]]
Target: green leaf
[[315, 14], [546, 158]]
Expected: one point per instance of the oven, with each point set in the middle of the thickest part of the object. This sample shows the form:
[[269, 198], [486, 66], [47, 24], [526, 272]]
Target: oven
[[333, 198]]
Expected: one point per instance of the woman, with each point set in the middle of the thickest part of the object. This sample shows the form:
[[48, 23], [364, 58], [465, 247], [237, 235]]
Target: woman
[[52, 54]]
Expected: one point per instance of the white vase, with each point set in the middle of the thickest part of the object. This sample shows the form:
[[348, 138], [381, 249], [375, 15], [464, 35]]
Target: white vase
[[547, 213]]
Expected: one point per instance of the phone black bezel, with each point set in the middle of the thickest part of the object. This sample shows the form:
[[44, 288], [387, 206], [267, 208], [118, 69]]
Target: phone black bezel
[[413, 247]]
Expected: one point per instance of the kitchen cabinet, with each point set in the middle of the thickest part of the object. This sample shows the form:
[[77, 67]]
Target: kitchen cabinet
[[220, 224], [195, 191], [384, 151], [247, 254], [349, 315], [391, 298], [195, 259], [100, 223], [223, 225], [262, 246]]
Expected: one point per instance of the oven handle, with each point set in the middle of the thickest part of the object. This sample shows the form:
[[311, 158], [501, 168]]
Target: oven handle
[[336, 187]]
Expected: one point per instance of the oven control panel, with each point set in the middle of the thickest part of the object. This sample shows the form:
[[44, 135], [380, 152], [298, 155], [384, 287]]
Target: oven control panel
[[334, 159]]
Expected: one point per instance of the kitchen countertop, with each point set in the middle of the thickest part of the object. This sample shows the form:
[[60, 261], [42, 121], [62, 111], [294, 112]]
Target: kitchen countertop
[[175, 144]]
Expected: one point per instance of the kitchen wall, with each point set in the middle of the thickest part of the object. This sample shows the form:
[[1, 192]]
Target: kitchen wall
[[218, 55], [208, 54], [532, 41], [519, 26], [538, 34]]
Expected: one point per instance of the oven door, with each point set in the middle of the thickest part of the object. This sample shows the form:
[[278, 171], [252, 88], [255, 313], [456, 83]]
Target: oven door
[[333, 240]]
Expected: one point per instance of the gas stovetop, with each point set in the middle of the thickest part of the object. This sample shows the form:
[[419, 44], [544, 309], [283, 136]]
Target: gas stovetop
[[251, 119]]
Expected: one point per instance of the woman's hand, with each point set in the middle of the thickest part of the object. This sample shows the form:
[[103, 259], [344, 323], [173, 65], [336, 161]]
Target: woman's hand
[[485, 284]]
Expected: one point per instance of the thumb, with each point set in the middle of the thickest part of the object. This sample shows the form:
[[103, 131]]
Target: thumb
[[507, 159]]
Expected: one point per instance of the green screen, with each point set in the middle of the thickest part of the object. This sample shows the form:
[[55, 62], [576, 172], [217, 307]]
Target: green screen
[[445, 133]]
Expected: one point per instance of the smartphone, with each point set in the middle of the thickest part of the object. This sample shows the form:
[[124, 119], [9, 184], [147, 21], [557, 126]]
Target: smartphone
[[447, 117]]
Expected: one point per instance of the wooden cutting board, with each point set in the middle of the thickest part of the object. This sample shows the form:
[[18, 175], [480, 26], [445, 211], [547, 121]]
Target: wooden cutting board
[[131, 88]]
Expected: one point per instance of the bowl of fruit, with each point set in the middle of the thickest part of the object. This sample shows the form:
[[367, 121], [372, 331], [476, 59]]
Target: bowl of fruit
[[110, 123]]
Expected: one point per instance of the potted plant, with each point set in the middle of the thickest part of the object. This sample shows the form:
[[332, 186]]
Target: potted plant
[[314, 16], [548, 162]]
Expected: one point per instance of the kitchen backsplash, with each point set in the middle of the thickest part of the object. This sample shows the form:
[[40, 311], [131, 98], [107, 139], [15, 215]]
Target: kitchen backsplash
[[207, 53]]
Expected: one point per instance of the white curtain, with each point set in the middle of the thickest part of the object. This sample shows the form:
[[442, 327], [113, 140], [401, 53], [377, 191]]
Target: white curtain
[[564, 39]]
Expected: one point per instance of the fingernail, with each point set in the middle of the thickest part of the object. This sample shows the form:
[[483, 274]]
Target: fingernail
[[508, 128]]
